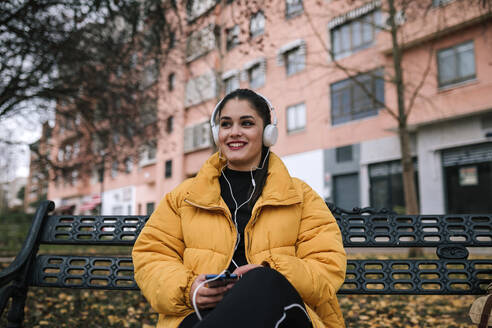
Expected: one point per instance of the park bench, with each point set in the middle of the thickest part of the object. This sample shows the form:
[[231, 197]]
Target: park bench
[[450, 272]]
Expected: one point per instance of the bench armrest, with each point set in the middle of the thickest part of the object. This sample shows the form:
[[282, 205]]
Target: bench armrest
[[30, 244]]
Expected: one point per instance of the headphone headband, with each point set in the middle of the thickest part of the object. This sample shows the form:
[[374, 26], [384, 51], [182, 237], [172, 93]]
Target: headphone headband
[[270, 132]]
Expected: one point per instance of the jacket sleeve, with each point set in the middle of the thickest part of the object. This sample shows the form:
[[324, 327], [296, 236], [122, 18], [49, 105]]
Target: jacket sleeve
[[318, 269], [157, 258]]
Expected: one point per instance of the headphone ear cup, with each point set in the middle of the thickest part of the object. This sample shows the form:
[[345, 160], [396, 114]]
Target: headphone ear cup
[[215, 134], [270, 135]]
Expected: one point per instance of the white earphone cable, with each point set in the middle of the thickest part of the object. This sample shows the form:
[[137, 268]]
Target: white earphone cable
[[238, 207], [288, 307], [193, 300]]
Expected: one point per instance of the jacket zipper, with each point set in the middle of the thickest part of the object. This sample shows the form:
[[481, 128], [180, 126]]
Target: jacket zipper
[[229, 220], [249, 226]]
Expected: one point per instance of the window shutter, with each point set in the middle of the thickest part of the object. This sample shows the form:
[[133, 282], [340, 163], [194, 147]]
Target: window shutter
[[188, 139]]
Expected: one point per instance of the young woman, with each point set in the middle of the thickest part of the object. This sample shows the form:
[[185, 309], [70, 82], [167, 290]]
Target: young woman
[[245, 213]]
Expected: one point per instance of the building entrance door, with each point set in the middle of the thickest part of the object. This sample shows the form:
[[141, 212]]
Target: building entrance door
[[468, 178]]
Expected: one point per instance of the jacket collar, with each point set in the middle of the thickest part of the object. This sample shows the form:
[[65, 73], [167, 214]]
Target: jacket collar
[[278, 190]]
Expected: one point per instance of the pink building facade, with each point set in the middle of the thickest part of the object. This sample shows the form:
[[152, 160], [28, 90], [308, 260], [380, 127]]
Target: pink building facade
[[333, 134]]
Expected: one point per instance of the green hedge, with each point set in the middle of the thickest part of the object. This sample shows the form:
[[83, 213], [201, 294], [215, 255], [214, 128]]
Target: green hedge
[[14, 226]]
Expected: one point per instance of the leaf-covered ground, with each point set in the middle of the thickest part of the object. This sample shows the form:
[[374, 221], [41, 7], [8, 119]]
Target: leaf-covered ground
[[87, 308]]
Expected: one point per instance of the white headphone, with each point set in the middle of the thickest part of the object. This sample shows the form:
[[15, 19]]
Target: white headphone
[[270, 132]]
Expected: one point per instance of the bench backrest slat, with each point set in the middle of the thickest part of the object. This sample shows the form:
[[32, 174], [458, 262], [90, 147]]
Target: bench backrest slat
[[436, 277], [92, 230], [357, 230]]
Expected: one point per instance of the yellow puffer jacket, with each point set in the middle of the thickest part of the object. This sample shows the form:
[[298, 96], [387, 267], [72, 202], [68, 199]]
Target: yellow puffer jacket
[[191, 232]]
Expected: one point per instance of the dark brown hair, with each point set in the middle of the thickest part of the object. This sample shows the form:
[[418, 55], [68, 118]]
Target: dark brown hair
[[257, 102]]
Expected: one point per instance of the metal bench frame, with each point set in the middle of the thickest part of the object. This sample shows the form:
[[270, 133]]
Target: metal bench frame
[[451, 273]]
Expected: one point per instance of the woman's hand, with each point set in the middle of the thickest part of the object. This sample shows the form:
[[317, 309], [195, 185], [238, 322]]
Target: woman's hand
[[207, 298], [245, 268]]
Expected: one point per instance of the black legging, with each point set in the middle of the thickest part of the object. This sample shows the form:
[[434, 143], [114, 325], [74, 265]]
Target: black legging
[[261, 298]]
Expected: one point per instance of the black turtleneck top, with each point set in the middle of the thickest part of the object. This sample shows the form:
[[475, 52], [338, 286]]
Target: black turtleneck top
[[240, 182]]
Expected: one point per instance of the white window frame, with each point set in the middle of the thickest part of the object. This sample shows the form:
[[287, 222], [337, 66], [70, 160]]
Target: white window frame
[[74, 175], [257, 24], [231, 81], [150, 74], [128, 164], [354, 23], [247, 71], [438, 3], [114, 169], [148, 154], [458, 77], [196, 8], [232, 37], [296, 117], [293, 8], [256, 76], [200, 42], [197, 137], [200, 89], [296, 47]]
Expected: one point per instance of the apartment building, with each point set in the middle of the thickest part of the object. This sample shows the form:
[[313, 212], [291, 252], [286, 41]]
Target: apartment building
[[326, 67], [38, 179]]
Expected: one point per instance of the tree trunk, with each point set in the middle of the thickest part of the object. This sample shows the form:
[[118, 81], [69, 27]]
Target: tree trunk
[[410, 192], [408, 172]]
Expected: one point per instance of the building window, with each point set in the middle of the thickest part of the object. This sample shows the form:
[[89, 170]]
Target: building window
[[148, 112], [169, 124], [200, 89], [437, 3], [168, 169], [172, 39], [78, 119], [197, 137], [150, 208], [256, 76], [254, 72], [386, 185], [171, 80], [354, 35], [150, 74], [200, 42], [128, 164], [293, 8], [456, 64], [115, 136], [60, 155], [294, 60], [114, 169], [148, 153], [344, 154], [232, 37], [346, 190], [231, 84], [75, 177], [196, 8], [296, 117], [350, 101], [117, 210], [257, 24]]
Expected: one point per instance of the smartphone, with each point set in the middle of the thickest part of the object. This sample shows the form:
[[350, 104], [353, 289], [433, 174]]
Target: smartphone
[[222, 279]]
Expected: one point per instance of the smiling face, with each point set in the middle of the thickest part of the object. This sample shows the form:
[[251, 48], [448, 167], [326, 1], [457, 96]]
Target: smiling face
[[240, 135]]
